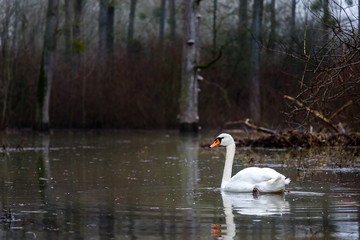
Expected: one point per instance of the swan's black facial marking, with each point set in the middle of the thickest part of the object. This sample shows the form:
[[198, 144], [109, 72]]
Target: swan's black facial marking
[[219, 138], [217, 142]]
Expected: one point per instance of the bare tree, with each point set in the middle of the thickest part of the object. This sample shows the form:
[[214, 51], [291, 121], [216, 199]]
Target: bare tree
[[47, 67], [130, 34], [172, 19], [106, 29], [189, 80], [72, 29], [102, 29], [358, 17], [67, 28], [162, 21], [254, 86], [214, 26], [77, 44], [271, 41], [293, 17], [110, 28], [243, 6], [329, 86], [6, 53]]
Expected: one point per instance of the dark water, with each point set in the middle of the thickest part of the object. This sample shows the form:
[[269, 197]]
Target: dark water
[[158, 185]]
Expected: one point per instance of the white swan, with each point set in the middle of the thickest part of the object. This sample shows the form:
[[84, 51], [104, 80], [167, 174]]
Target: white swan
[[252, 179]]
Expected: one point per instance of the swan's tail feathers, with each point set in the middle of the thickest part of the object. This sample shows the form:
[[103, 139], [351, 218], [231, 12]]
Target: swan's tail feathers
[[280, 178], [287, 181]]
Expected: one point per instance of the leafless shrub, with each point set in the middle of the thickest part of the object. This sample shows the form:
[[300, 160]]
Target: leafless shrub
[[330, 84]]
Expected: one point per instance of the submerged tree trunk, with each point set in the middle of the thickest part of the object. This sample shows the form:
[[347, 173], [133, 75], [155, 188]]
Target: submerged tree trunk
[[189, 83], [47, 67], [254, 86]]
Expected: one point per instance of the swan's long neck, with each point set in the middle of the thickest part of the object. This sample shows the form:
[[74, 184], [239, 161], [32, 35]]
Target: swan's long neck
[[230, 152]]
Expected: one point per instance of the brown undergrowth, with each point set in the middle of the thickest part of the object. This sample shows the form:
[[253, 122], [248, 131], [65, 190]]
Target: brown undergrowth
[[295, 138]]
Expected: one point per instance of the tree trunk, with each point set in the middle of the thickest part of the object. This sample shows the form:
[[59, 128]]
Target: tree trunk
[[189, 83], [254, 86], [47, 67], [326, 20], [110, 28], [67, 29], [162, 21], [172, 20], [78, 46], [271, 43], [293, 17], [243, 5], [103, 30], [358, 16], [6, 71], [214, 27], [243, 27], [106, 29], [130, 34], [78, 9]]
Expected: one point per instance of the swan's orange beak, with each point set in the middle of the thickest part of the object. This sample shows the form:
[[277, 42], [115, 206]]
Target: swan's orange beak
[[217, 142]]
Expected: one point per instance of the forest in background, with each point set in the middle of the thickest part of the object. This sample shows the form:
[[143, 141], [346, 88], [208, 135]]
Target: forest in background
[[309, 50]]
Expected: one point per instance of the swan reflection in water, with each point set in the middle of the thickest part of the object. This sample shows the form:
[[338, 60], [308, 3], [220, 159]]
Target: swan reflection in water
[[248, 204]]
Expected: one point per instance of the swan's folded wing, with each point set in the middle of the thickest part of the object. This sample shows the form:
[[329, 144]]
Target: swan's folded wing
[[264, 179], [256, 175]]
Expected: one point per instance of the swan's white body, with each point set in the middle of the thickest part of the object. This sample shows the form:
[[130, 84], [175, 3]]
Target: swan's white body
[[249, 179]]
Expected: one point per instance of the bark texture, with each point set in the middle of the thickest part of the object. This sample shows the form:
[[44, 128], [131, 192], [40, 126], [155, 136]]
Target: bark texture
[[254, 86], [189, 80], [47, 67]]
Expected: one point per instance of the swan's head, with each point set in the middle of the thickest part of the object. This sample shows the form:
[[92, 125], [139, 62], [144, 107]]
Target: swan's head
[[223, 139]]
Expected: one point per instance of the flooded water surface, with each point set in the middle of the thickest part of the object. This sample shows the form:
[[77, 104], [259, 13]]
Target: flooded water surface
[[163, 185]]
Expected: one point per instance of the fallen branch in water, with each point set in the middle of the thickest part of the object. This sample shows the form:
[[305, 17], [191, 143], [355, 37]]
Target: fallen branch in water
[[259, 129], [295, 138], [251, 125]]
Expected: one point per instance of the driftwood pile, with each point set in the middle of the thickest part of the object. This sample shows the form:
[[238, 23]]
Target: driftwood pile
[[294, 138]]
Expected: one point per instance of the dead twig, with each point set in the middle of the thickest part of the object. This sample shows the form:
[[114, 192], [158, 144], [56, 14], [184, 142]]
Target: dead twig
[[250, 125], [259, 129], [341, 109], [313, 112]]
